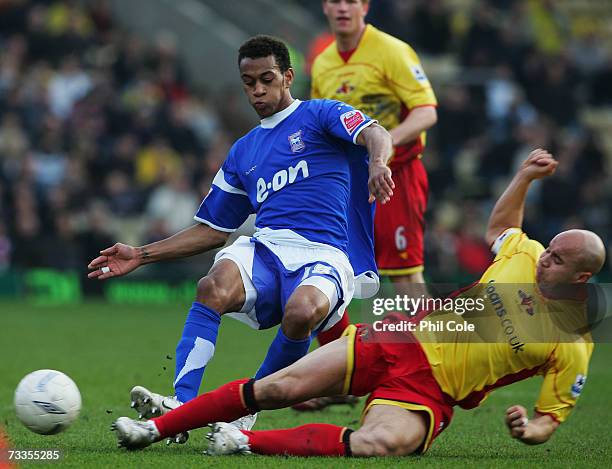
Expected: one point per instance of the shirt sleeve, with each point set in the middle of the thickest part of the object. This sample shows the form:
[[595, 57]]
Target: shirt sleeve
[[514, 240], [343, 121], [227, 205], [564, 379], [408, 79]]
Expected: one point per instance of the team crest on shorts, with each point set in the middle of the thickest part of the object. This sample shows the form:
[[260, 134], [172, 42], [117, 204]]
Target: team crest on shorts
[[297, 142]]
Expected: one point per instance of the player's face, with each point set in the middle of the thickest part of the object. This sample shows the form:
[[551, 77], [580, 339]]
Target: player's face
[[558, 264], [345, 17], [265, 85]]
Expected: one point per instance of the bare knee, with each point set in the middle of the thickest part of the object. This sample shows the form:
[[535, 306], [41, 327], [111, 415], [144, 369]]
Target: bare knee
[[222, 289], [301, 316], [214, 294], [384, 440]]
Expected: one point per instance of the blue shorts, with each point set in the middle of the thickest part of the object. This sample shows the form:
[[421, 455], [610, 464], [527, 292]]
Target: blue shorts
[[270, 275]]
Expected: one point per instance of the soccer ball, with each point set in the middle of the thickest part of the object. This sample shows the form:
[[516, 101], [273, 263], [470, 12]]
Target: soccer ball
[[47, 401]]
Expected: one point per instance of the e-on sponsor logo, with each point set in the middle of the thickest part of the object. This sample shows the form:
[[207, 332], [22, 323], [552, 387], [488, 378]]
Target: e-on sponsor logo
[[280, 180]]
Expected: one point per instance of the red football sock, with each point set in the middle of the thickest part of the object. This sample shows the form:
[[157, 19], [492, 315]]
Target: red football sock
[[335, 332], [315, 439], [224, 404]]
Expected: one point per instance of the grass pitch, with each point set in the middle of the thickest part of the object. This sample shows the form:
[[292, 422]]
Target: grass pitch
[[107, 349]]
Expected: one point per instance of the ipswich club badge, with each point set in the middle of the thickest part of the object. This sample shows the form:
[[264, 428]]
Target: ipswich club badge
[[296, 142]]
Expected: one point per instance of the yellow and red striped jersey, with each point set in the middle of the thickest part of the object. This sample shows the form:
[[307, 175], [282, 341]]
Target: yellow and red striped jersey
[[519, 333], [382, 77]]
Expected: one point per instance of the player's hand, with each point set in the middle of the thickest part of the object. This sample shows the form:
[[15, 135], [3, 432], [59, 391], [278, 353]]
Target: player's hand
[[380, 183], [539, 164], [516, 421], [115, 261]]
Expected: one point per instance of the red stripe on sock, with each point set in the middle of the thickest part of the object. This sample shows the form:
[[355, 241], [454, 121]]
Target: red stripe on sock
[[315, 439], [335, 332], [224, 404]]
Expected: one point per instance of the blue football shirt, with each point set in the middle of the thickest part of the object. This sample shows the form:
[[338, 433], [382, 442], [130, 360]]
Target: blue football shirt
[[301, 170]]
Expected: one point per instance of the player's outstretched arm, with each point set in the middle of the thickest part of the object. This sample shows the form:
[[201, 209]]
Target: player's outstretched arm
[[532, 432], [508, 211], [419, 119], [122, 259], [380, 149]]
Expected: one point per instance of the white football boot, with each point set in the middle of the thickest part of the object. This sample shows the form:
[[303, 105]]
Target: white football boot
[[133, 434], [245, 423], [225, 439], [150, 405]]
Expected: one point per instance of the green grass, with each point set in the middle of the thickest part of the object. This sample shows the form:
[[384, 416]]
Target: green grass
[[107, 349]]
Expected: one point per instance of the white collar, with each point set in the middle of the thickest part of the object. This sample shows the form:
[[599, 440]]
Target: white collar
[[275, 119]]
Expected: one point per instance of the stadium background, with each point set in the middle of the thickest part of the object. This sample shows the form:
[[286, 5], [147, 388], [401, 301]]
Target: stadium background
[[115, 115]]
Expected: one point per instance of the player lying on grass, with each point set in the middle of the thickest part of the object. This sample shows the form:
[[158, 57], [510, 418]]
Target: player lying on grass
[[304, 171], [414, 382]]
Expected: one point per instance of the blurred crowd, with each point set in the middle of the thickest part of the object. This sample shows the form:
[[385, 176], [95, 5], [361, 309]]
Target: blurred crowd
[[104, 137], [525, 72]]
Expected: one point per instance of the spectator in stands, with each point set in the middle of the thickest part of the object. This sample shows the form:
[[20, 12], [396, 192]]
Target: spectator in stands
[[80, 97], [173, 201], [5, 248]]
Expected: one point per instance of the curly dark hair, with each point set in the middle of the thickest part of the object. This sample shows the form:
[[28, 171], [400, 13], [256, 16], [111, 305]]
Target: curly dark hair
[[263, 46]]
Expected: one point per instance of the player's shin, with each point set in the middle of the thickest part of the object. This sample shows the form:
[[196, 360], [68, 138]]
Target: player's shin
[[194, 350], [225, 404], [283, 352]]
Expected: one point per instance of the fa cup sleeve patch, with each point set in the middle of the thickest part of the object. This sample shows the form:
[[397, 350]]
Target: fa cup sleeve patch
[[351, 120]]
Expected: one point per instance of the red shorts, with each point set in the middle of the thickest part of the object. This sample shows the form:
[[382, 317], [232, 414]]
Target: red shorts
[[395, 373], [400, 223]]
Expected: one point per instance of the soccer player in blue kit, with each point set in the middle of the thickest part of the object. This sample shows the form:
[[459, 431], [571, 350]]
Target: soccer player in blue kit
[[306, 173]]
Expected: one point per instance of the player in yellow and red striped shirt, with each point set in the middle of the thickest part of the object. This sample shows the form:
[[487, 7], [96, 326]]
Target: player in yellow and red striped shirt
[[415, 379], [383, 76]]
